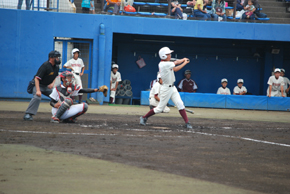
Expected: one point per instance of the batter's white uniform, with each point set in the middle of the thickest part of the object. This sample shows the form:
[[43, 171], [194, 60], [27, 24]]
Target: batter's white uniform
[[224, 91], [286, 84], [77, 66], [114, 79], [238, 90], [276, 85], [73, 110], [156, 91], [168, 90]]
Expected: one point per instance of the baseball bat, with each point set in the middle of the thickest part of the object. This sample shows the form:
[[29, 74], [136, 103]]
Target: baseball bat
[[174, 59], [190, 111]]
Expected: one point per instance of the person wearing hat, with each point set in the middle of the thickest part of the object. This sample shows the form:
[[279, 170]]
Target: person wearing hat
[[154, 98], [44, 81], [168, 90], [276, 84], [286, 83], [240, 89], [224, 89], [115, 79], [187, 84], [77, 67]]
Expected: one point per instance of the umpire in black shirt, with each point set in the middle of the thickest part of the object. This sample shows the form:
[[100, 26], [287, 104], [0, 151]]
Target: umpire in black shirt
[[44, 81]]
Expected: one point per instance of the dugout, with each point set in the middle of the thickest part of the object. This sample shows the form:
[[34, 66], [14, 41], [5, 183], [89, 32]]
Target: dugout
[[216, 49]]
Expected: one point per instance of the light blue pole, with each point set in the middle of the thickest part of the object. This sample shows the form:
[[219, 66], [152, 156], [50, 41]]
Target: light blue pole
[[101, 65]]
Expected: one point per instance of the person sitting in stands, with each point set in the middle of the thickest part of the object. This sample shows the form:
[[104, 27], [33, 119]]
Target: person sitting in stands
[[218, 10], [224, 89], [250, 9], [199, 12], [113, 5], [187, 84], [176, 9], [240, 89], [240, 5]]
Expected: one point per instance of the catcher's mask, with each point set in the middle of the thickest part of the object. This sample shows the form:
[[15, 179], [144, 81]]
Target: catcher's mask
[[68, 78]]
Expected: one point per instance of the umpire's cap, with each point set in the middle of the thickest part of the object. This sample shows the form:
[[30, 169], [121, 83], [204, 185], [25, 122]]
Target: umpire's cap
[[53, 54]]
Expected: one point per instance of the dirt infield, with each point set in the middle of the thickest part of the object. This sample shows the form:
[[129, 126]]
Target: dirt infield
[[250, 155]]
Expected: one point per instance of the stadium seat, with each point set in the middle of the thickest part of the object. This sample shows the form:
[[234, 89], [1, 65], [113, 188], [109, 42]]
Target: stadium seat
[[229, 8], [231, 17], [264, 19], [153, 4], [164, 4], [208, 7], [160, 14], [183, 5], [139, 3], [130, 13], [144, 13]]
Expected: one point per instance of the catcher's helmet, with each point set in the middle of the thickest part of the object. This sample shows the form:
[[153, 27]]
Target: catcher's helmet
[[53, 54], [187, 72], [65, 75]]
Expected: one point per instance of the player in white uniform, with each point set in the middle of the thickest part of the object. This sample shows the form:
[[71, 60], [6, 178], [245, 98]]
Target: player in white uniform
[[61, 102], [168, 90], [286, 86], [115, 79], [77, 66], [240, 89], [276, 84], [155, 93], [224, 89]]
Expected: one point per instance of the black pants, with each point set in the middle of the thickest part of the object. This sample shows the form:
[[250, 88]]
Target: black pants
[[85, 10]]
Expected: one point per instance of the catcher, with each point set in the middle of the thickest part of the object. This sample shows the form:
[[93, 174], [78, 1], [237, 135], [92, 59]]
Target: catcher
[[61, 102]]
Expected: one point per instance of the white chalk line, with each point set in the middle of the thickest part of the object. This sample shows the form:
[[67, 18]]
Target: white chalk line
[[144, 130]]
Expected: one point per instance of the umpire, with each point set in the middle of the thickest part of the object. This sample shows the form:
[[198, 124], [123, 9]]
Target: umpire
[[44, 81]]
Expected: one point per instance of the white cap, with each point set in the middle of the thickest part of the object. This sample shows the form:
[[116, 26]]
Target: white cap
[[158, 76], [282, 70], [164, 51], [240, 81], [277, 70], [224, 80], [74, 50], [115, 66]]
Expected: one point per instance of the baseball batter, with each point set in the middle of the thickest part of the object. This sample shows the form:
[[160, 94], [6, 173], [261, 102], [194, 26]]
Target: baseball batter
[[240, 89], [224, 89], [77, 66], [155, 93], [168, 90], [115, 79], [61, 102], [276, 84]]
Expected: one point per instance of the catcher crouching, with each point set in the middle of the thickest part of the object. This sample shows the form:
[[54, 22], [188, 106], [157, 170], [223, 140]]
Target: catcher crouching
[[61, 102]]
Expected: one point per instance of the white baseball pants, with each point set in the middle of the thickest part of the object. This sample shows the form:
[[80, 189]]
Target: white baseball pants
[[72, 111], [78, 81]]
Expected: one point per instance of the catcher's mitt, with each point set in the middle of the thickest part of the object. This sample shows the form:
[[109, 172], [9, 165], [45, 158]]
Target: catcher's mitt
[[104, 89]]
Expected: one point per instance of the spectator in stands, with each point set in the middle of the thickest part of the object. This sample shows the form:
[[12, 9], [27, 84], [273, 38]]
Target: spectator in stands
[[187, 84], [250, 9], [126, 3], [224, 89], [199, 12], [240, 89], [27, 4], [114, 5], [240, 5], [258, 13], [286, 83], [92, 8], [276, 84], [218, 10], [86, 5], [176, 10]]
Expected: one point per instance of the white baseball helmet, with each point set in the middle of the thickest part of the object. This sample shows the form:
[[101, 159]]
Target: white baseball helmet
[[164, 51], [74, 50]]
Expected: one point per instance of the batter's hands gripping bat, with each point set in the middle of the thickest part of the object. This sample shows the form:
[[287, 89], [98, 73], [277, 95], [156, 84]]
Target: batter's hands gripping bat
[[174, 59], [190, 111]]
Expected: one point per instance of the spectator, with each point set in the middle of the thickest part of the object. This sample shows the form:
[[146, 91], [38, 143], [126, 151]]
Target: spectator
[[224, 90], [177, 10], [44, 81], [240, 5], [114, 5], [286, 86], [77, 67], [27, 4], [92, 8], [276, 84], [258, 13], [218, 10], [115, 79], [86, 5], [240, 89], [154, 95], [187, 84], [250, 9], [126, 3], [199, 12]]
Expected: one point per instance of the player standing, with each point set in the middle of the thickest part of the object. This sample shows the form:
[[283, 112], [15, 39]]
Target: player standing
[[115, 79], [77, 66], [168, 90], [61, 102]]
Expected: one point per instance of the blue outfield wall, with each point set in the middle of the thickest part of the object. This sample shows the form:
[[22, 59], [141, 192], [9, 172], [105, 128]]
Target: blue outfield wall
[[27, 37], [250, 102]]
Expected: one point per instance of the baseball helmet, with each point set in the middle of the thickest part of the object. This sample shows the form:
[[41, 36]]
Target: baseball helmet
[[187, 72], [75, 50], [164, 51], [65, 75], [53, 54]]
